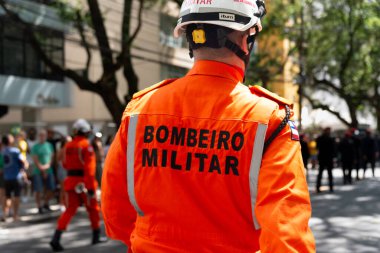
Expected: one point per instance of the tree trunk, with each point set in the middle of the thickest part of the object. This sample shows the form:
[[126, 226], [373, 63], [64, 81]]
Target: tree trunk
[[132, 79], [353, 115], [128, 71], [113, 104]]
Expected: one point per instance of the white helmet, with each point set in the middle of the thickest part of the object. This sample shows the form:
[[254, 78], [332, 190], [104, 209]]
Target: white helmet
[[239, 15], [82, 125]]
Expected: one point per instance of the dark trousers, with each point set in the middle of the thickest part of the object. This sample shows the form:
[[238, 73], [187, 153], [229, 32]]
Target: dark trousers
[[370, 161], [347, 169], [357, 167], [328, 165]]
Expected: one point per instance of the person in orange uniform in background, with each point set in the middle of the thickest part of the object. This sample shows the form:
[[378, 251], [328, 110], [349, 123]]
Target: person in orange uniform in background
[[80, 184], [204, 163]]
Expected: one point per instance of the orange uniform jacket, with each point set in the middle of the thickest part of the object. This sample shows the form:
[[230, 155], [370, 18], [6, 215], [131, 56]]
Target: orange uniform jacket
[[186, 171], [79, 156]]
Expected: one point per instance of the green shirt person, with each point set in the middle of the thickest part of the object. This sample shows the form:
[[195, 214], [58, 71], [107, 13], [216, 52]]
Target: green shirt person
[[42, 156], [43, 176]]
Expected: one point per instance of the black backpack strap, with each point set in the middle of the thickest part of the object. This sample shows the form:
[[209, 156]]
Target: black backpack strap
[[279, 129]]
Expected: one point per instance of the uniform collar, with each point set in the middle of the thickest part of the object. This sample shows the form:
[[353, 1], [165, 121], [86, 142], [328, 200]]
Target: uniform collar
[[220, 69]]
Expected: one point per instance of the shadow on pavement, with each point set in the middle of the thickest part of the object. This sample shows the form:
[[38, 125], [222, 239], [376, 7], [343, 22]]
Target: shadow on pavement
[[348, 220]]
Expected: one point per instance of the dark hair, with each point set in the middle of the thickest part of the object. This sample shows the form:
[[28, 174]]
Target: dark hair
[[5, 140], [109, 139], [81, 133], [63, 141]]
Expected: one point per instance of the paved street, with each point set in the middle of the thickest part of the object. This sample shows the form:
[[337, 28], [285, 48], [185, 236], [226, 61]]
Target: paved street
[[343, 222], [33, 236], [349, 219]]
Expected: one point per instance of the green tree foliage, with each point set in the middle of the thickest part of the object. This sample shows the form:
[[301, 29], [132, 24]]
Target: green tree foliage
[[336, 46], [269, 59], [338, 42]]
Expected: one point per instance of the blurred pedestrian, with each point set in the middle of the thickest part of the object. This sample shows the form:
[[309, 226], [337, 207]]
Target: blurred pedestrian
[[31, 137], [347, 152], [61, 171], [2, 187], [43, 176], [358, 151], [378, 146], [108, 144], [312, 144], [326, 152], [54, 137], [97, 144], [14, 163], [80, 184], [369, 149], [22, 145], [305, 152]]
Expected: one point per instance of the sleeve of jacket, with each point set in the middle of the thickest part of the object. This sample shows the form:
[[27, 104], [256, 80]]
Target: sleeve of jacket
[[119, 215], [283, 206], [89, 167]]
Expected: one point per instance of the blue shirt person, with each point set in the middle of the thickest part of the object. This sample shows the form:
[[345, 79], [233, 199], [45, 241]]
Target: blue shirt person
[[12, 163]]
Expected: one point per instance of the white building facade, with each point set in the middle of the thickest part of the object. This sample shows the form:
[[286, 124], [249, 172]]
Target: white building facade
[[37, 98]]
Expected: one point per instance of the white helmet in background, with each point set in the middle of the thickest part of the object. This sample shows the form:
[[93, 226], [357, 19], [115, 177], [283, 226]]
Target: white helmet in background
[[81, 125], [239, 15]]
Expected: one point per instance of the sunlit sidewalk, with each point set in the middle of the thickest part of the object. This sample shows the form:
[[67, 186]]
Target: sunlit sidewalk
[[347, 220]]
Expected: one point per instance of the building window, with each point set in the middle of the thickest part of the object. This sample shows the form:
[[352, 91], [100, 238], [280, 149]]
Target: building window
[[171, 71], [18, 58], [167, 24]]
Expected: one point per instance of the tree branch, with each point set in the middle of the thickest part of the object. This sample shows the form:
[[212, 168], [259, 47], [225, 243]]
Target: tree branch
[[129, 42], [328, 84], [101, 36], [351, 50], [85, 44], [317, 105], [82, 82]]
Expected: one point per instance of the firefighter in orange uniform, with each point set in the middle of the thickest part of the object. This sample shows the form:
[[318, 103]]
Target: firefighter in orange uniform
[[80, 184], [204, 163]]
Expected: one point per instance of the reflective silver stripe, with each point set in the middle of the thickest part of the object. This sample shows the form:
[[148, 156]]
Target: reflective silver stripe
[[131, 162], [255, 167]]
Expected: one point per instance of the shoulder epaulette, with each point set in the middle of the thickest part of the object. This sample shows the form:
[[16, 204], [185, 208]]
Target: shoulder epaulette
[[261, 92], [153, 87]]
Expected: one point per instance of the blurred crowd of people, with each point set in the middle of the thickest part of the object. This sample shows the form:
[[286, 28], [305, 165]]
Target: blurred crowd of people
[[352, 151], [31, 164]]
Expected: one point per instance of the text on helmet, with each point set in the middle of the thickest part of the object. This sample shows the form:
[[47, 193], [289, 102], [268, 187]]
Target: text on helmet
[[191, 2]]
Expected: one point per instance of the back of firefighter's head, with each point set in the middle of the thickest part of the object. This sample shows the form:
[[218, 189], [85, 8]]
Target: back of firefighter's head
[[81, 127], [222, 30]]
